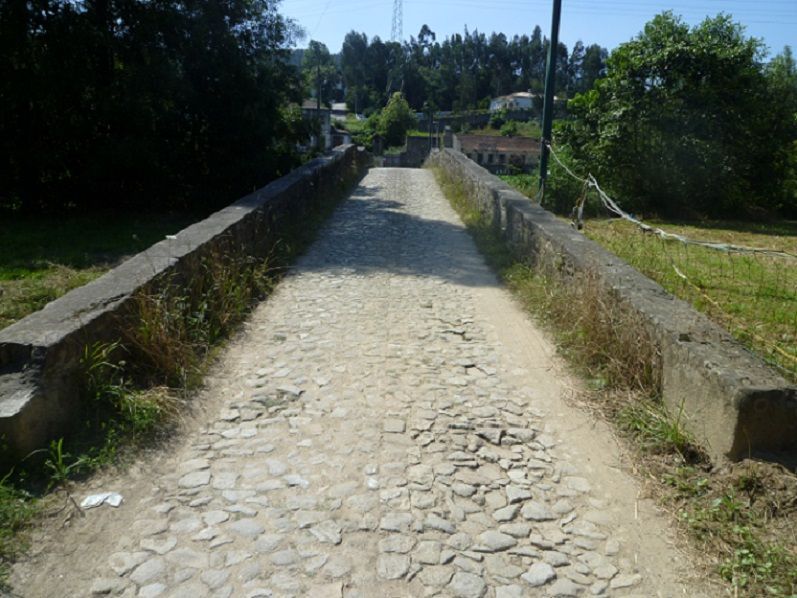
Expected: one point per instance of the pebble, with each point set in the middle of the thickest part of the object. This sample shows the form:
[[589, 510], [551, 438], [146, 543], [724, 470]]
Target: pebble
[[123, 562], [539, 574], [392, 565], [194, 479], [564, 587], [396, 522], [435, 522], [493, 541], [516, 494], [148, 571], [435, 576], [513, 591], [535, 511], [467, 585], [107, 585], [152, 590], [394, 426], [625, 581], [248, 528], [506, 514]]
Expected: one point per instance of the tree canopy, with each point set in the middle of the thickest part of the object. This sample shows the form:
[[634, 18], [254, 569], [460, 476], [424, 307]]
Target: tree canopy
[[395, 120], [111, 103], [461, 72], [689, 121], [319, 72]]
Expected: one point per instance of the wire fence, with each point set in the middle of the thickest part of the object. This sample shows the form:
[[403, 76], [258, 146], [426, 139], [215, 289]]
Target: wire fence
[[742, 275]]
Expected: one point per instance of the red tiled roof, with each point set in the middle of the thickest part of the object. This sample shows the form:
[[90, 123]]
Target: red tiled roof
[[500, 144]]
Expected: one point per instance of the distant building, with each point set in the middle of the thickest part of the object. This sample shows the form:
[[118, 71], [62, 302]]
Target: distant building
[[339, 110], [522, 100], [323, 117], [340, 137], [498, 154]]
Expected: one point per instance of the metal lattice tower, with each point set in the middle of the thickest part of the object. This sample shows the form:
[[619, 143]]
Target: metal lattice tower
[[397, 30]]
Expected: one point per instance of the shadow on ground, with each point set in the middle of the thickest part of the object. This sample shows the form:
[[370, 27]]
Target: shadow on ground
[[369, 234]]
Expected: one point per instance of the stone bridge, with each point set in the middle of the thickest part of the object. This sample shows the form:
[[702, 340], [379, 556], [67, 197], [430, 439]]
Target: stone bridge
[[388, 424]]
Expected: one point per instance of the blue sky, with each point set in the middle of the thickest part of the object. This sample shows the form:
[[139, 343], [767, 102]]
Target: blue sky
[[607, 22]]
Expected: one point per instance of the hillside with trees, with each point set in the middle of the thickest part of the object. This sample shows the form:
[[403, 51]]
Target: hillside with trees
[[460, 72]]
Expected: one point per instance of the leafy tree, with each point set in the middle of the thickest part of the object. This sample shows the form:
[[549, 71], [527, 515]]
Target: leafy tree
[[575, 69], [111, 103], [675, 126], [395, 120], [319, 72], [593, 67], [509, 129], [781, 75], [461, 72], [354, 70]]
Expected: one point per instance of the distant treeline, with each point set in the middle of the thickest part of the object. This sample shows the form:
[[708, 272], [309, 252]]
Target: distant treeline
[[462, 72], [113, 103]]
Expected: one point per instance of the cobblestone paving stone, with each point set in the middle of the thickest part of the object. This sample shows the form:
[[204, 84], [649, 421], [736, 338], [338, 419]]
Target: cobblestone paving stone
[[375, 445]]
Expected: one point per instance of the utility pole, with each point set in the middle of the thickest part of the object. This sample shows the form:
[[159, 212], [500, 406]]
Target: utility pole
[[318, 84], [319, 142], [550, 84]]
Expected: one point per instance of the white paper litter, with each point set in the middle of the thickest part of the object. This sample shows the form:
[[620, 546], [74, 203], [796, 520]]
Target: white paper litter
[[108, 498]]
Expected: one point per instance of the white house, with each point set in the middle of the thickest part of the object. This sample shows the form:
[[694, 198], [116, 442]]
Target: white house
[[521, 100], [323, 117]]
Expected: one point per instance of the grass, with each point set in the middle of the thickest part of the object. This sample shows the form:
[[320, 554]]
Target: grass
[[742, 518], [521, 129], [753, 296], [17, 509], [528, 184], [43, 258]]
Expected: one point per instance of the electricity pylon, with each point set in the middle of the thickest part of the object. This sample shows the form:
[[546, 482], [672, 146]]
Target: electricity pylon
[[397, 29]]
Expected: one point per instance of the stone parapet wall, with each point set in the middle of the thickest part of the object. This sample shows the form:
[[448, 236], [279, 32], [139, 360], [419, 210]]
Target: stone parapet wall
[[40, 355], [730, 400]]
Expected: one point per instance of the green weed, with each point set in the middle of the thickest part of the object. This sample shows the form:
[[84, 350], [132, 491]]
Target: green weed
[[17, 509], [60, 465], [527, 184], [656, 431]]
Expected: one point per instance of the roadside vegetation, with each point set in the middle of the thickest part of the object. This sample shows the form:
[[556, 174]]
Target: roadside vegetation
[[41, 258], [663, 161], [741, 518], [674, 128], [500, 127], [528, 184], [753, 296]]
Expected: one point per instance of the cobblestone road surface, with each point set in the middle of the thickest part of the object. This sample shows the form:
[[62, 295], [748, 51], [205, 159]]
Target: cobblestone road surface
[[373, 441]]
